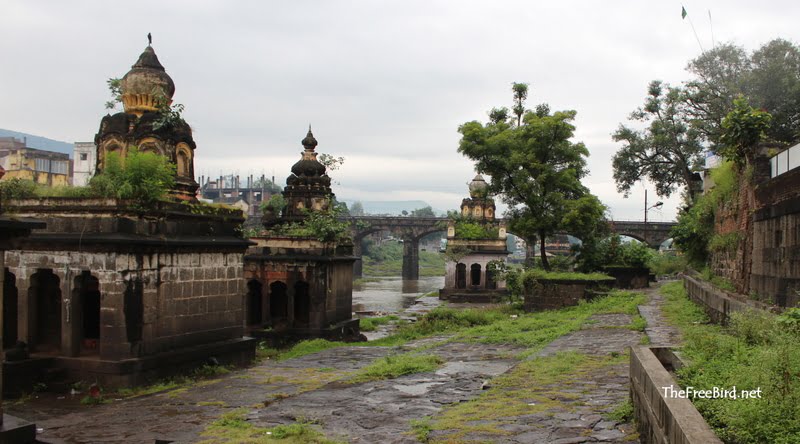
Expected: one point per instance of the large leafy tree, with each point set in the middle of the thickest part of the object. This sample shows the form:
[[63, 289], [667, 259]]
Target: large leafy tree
[[681, 121], [666, 151], [533, 165], [769, 79]]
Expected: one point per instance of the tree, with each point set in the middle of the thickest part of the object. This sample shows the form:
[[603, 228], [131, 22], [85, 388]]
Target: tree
[[666, 152], [534, 166], [455, 253], [357, 209], [769, 78], [423, 212], [742, 129]]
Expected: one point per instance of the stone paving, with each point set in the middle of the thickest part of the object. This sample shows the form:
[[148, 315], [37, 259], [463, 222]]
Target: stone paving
[[314, 387]]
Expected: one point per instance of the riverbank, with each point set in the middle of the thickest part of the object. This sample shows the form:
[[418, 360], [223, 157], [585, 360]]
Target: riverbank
[[451, 375]]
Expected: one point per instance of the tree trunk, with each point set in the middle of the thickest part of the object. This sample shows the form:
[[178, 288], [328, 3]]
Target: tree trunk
[[543, 252]]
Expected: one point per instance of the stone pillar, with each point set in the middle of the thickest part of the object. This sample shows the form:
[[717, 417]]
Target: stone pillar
[[411, 258], [358, 265]]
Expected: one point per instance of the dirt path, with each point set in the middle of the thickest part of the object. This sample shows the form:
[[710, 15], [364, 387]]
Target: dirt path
[[571, 405]]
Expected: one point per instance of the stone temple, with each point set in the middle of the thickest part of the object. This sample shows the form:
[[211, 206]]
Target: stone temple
[[301, 286], [482, 242], [117, 294]]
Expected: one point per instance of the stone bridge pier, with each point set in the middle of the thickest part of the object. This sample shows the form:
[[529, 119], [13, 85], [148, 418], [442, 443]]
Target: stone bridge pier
[[410, 229]]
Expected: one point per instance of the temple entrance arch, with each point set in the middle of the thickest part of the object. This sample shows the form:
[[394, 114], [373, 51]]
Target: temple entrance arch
[[45, 293], [255, 302], [475, 275], [302, 303], [461, 276], [278, 302], [86, 300]]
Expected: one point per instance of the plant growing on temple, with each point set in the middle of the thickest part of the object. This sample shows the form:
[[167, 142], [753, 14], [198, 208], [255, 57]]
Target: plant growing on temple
[[114, 87], [454, 253], [534, 166], [274, 206], [169, 115], [144, 178]]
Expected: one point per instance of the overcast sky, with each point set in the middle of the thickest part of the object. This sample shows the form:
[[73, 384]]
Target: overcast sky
[[384, 84]]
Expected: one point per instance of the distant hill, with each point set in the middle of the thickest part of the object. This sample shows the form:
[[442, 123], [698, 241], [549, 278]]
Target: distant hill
[[39, 142], [391, 207]]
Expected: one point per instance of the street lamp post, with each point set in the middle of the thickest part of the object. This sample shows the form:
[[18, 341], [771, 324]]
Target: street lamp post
[[646, 209]]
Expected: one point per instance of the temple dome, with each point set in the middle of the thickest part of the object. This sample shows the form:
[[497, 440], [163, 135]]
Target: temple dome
[[478, 187], [145, 84], [308, 165]]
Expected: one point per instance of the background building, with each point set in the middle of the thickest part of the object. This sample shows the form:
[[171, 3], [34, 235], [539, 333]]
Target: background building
[[85, 163], [43, 167]]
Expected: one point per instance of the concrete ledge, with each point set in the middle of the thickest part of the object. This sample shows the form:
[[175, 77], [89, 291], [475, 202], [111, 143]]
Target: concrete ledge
[[17, 431], [662, 419], [717, 303]]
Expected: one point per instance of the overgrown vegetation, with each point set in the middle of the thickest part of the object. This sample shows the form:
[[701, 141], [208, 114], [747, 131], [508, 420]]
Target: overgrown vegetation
[[756, 351], [142, 178], [390, 367], [695, 228], [324, 225], [371, 324], [233, 427]]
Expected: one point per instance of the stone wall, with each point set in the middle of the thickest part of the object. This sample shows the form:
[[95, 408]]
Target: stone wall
[[718, 304], [551, 294], [188, 298], [663, 419], [775, 272]]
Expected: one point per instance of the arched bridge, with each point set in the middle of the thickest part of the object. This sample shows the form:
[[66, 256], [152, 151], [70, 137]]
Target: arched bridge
[[412, 229]]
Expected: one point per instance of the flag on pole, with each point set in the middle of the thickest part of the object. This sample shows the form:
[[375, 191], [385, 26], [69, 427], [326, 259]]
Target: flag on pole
[[683, 12]]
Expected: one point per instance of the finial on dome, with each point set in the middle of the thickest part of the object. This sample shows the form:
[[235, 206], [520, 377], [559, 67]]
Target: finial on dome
[[149, 39], [309, 142]]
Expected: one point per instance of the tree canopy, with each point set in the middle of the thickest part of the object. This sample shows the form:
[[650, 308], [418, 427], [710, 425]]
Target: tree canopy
[[533, 165], [681, 121]]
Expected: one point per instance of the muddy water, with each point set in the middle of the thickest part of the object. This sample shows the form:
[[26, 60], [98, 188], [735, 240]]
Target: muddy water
[[392, 295]]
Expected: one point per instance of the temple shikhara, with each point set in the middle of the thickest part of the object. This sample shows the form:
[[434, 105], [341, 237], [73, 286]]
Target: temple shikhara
[[117, 294]]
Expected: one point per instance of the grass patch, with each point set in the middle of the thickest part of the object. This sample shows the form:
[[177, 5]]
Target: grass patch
[[308, 347], [371, 324], [232, 427], [565, 275], [638, 323], [531, 387], [390, 367], [421, 428], [755, 351], [623, 412]]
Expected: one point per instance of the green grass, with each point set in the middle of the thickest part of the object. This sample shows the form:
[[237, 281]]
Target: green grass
[[755, 351], [531, 387], [371, 324], [233, 428], [566, 275], [390, 367]]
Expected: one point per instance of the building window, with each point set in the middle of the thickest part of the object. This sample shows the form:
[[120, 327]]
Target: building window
[[84, 156]]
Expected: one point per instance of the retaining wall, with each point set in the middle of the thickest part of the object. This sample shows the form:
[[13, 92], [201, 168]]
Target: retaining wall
[[719, 304], [662, 419]]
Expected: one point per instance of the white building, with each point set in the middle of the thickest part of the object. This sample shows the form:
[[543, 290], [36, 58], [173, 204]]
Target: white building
[[85, 162]]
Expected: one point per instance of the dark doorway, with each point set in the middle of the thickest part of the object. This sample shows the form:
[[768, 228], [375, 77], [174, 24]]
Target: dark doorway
[[461, 276], [86, 294], [46, 292], [491, 279], [133, 307], [475, 275], [255, 303], [302, 303], [10, 301], [278, 302]]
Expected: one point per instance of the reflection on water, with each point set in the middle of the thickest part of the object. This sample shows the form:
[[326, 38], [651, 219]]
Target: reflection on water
[[392, 294]]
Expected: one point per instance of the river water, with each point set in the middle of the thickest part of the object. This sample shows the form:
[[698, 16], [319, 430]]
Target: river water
[[392, 294]]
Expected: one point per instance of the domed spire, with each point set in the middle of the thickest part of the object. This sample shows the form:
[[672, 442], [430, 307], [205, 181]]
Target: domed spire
[[309, 142], [146, 84], [308, 165], [478, 187]]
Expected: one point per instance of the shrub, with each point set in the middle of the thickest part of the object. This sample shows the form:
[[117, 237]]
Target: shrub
[[144, 178]]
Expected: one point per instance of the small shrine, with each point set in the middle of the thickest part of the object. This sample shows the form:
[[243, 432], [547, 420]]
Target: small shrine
[[476, 243], [299, 285]]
